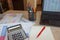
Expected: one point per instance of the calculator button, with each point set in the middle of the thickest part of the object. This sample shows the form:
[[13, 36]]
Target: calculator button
[[17, 36]]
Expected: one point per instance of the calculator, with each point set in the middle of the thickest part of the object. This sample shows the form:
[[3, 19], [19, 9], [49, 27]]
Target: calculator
[[16, 32]]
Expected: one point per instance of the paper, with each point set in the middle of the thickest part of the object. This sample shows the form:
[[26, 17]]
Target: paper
[[2, 32], [25, 25], [46, 34], [11, 18], [14, 19]]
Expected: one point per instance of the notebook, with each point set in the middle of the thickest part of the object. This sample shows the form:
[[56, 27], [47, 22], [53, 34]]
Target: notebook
[[46, 34]]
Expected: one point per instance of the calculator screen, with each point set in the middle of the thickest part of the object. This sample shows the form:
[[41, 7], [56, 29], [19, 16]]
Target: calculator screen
[[14, 28]]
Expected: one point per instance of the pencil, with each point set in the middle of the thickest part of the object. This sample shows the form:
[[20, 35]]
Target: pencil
[[41, 32]]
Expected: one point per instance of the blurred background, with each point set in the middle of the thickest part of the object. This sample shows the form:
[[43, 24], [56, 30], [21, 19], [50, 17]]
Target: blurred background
[[19, 4]]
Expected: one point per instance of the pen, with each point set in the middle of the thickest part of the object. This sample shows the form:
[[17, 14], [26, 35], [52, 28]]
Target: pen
[[41, 32]]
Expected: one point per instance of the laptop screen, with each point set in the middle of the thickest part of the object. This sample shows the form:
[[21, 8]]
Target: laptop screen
[[51, 13], [51, 5]]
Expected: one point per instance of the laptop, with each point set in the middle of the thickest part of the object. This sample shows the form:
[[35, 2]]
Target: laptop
[[50, 12]]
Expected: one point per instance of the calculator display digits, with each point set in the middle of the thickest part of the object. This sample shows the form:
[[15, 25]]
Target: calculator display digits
[[16, 33]]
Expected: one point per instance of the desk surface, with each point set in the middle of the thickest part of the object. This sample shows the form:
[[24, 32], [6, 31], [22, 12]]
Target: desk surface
[[55, 30]]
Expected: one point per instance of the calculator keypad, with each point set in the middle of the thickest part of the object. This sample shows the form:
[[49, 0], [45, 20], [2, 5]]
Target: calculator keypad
[[17, 36]]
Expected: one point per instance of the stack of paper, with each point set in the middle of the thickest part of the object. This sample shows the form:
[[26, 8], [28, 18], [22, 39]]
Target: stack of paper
[[14, 19], [46, 34], [25, 26]]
